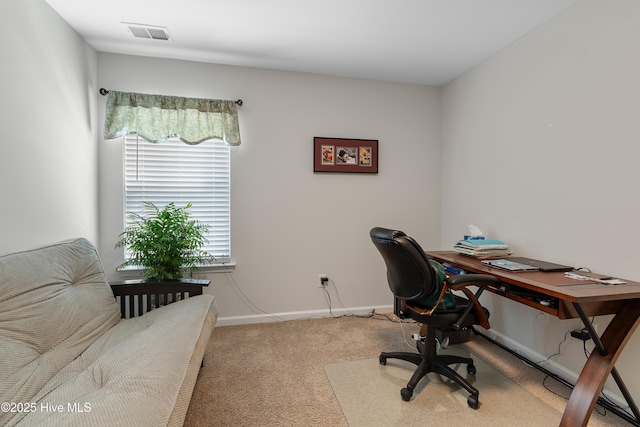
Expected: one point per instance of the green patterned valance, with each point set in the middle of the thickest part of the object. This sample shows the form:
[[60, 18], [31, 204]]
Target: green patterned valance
[[158, 117]]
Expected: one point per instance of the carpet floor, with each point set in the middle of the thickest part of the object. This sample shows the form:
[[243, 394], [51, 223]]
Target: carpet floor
[[273, 374], [369, 395]]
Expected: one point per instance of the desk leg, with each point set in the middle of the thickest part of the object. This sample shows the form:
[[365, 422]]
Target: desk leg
[[600, 364]]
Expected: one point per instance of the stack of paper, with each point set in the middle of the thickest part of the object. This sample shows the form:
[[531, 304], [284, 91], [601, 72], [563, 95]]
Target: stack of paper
[[482, 248]]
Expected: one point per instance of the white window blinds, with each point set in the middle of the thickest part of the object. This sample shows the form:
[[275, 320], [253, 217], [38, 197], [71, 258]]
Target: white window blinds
[[172, 171]]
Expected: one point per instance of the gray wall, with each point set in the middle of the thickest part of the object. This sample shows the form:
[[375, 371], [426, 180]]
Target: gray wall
[[48, 151], [289, 224], [540, 149]]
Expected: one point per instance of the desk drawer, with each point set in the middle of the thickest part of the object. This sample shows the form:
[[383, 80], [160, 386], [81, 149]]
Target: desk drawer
[[560, 308]]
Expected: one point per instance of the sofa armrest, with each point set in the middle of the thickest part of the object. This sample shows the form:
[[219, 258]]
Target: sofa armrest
[[136, 297]]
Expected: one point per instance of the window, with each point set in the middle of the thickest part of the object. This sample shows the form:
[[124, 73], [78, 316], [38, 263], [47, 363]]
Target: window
[[172, 171]]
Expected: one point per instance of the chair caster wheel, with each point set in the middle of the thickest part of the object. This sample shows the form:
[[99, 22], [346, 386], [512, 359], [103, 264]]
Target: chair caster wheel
[[472, 401], [383, 360], [471, 369], [406, 394]]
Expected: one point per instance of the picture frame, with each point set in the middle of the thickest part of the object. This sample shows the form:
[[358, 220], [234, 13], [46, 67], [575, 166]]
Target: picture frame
[[345, 155]]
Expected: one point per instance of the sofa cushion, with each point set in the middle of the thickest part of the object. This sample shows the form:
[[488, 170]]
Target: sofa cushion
[[136, 374], [54, 303]]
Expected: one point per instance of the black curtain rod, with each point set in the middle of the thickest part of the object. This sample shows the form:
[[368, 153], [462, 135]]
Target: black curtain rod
[[104, 92]]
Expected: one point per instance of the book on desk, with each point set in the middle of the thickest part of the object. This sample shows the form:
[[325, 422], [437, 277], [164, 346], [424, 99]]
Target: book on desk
[[480, 248]]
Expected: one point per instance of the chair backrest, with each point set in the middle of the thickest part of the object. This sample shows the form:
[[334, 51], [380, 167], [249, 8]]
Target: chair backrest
[[408, 271]]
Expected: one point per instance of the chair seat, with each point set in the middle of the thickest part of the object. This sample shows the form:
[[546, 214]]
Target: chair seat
[[443, 318]]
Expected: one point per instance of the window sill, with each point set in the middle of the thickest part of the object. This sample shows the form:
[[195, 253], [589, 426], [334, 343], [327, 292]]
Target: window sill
[[226, 267]]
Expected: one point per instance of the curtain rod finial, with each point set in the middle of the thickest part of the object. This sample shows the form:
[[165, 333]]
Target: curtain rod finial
[[103, 91], [239, 102]]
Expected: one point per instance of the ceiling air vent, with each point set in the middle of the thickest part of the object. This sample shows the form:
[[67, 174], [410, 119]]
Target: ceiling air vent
[[148, 31]]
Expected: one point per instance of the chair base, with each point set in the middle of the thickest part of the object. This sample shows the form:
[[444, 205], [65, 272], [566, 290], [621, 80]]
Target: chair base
[[428, 362]]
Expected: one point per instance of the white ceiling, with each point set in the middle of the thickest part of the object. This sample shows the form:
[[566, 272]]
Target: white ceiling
[[414, 41]]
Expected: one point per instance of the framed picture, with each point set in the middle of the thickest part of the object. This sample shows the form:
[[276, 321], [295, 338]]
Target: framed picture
[[345, 155]]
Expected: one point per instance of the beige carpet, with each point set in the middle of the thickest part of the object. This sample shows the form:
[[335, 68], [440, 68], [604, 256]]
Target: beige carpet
[[369, 395], [273, 374]]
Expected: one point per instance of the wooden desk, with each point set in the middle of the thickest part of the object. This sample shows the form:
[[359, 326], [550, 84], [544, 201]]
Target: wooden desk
[[565, 298]]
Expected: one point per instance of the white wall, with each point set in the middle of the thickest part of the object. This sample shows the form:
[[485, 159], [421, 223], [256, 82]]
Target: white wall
[[48, 150], [289, 224], [540, 149]]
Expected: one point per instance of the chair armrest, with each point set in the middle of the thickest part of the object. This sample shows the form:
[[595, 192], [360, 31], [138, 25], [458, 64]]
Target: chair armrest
[[136, 297], [472, 279], [461, 282]]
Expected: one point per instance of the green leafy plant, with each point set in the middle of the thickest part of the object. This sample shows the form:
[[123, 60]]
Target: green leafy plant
[[165, 242]]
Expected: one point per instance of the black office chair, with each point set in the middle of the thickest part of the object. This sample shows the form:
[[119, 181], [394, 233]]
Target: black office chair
[[412, 278]]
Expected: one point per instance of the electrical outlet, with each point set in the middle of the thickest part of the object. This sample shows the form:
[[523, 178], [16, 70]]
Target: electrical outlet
[[323, 280]]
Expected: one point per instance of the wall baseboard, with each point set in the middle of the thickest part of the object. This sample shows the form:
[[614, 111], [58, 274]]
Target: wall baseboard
[[297, 315], [550, 365]]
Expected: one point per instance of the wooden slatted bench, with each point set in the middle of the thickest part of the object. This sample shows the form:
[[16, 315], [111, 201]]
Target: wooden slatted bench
[[136, 297]]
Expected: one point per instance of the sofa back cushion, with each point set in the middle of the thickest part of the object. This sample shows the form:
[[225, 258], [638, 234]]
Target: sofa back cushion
[[54, 302]]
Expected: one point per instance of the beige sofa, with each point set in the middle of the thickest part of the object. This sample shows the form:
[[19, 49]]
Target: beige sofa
[[67, 358]]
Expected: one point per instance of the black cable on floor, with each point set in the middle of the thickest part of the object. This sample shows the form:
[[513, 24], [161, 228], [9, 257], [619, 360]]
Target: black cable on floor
[[602, 402]]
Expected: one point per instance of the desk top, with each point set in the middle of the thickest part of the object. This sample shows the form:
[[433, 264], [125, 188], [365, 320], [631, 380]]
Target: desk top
[[553, 284]]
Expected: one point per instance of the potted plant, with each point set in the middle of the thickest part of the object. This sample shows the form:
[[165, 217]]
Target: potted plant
[[165, 242]]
